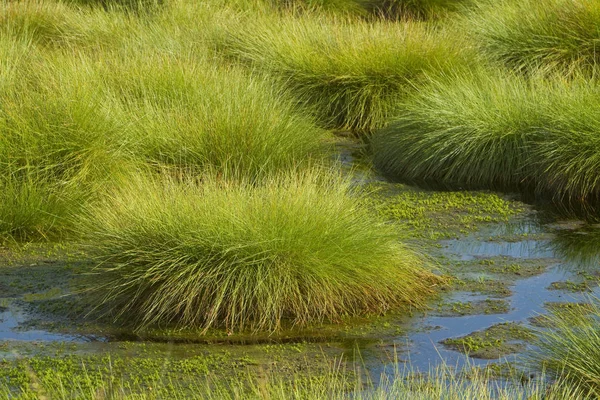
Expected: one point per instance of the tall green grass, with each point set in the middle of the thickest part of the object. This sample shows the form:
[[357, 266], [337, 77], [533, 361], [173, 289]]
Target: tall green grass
[[33, 206], [189, 112], [56, 121], [414, 9], [464, 130], [79, 123], [350, 74], [55, 144], [501, 131], [372, 9], [555, 34], [348, 7], [54, 24], [88, 380], [568, 154], [570, 350], [297, 249]]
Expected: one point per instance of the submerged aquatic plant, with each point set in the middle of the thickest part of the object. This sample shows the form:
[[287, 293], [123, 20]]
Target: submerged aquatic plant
[[349, 74], [555, 34], [292, 250]]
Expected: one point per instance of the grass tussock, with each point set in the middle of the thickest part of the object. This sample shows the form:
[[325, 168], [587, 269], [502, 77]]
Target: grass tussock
[[58, 123], [297, 249], [468, 129], [349, 74], [86, 122], [58, 147], [343, 7], [374, 9], [570, 350], [34, 206], [187, 112], [500, 131], [414, 9], [556, 34], [54, 24]]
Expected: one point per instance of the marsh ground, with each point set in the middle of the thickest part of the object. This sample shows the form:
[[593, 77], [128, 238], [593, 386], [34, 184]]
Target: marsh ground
[[506, 265]]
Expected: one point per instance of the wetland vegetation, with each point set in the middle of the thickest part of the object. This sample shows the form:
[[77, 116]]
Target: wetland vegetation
[[299, 199]]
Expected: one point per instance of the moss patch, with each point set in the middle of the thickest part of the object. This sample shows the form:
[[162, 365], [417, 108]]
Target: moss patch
[[176, 370], [494, 342], [439, 215], [458, 308], [502, 267], [485, 286]]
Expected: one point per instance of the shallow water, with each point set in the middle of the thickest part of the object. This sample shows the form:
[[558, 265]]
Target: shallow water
[[12, 327], [422, 345]]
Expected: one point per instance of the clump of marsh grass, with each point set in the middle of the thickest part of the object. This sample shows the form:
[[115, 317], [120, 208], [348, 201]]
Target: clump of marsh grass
[[191, 113], [138, 6], [39, 21], [350, 74], [349, 7], [292, 250], [567, 155], [373, 9], [556, 34], [570, 350], [55, 24], [464, 130], [500, 131], [413, 9], [33, 206], [58, 147], [15, 55], [55, 121]]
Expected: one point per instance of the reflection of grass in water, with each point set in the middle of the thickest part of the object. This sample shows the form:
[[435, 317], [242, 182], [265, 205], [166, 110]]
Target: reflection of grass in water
[[580, 247]]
